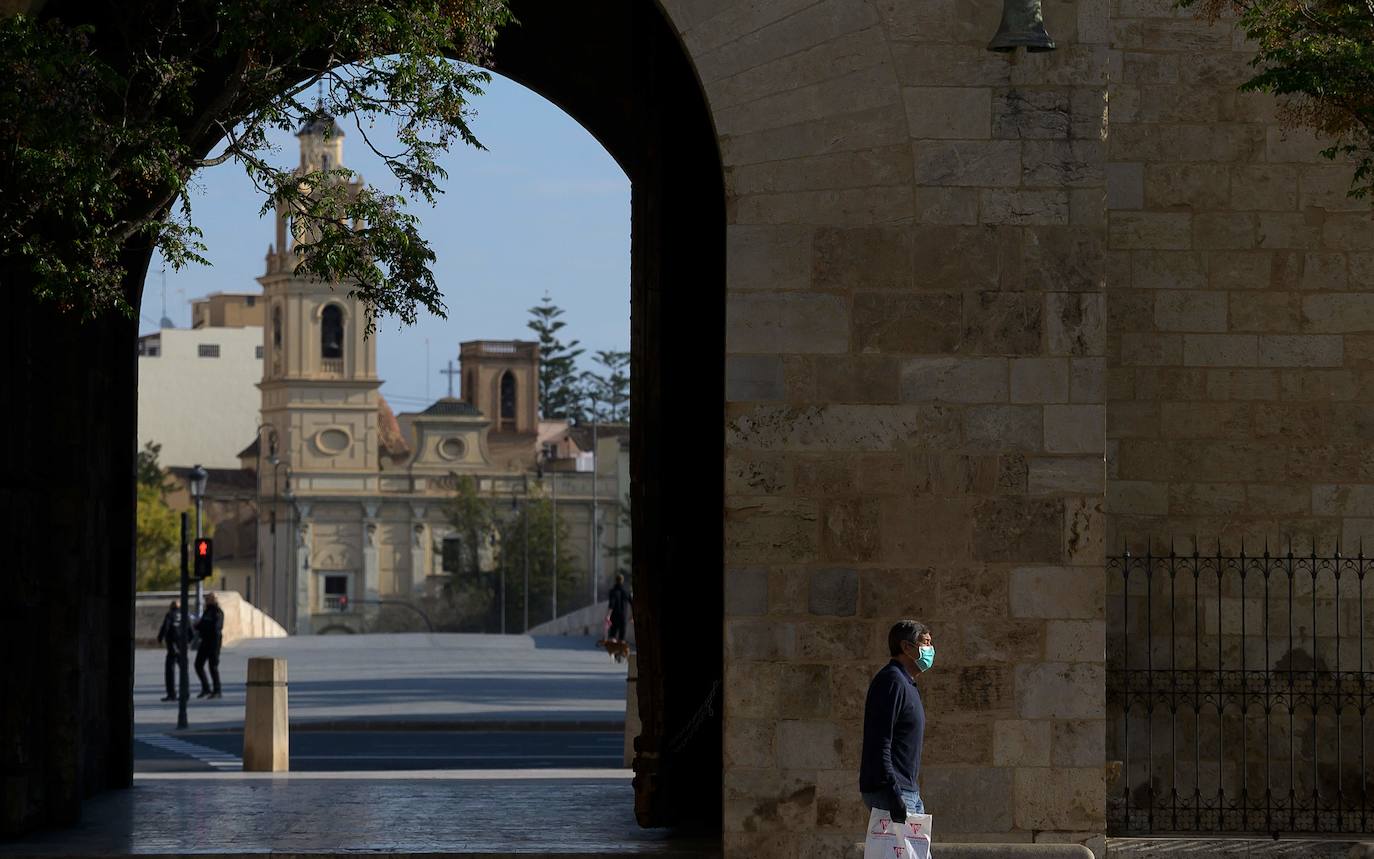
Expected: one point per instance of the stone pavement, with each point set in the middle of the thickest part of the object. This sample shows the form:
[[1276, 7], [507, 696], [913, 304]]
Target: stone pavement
[[407, 679], [1234, 848], [461, 813], [484, 814]]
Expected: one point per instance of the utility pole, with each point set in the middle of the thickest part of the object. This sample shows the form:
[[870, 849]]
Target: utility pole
[[592, 545], [525, 538], [502, 568], [554, 591]]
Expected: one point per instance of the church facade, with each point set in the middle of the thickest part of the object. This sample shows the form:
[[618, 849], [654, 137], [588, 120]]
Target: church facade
[[356, 499]]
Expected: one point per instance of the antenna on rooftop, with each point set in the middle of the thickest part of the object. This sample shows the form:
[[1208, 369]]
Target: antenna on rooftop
[[165, 322]]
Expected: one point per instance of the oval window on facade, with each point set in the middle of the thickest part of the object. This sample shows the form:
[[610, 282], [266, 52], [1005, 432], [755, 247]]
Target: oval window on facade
[[332, 441], [452, 448]]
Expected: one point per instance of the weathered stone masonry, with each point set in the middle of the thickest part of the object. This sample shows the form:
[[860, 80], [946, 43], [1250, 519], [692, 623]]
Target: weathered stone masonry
[[957, 281], [986, 314], [915, 425]]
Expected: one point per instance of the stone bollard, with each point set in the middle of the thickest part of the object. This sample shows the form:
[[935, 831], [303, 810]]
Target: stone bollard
[[266, 736], [631, 709]]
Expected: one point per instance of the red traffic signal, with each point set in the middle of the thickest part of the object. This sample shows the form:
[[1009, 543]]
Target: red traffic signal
[[203, 551]]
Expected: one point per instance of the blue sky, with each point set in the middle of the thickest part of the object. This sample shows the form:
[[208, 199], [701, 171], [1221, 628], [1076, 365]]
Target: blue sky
[[544, 209]]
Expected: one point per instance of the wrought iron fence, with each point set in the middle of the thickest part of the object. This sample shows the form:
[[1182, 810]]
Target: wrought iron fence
[[1239, 692]]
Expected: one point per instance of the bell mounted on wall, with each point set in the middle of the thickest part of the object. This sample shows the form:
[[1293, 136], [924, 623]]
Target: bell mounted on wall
[[1023, 26]]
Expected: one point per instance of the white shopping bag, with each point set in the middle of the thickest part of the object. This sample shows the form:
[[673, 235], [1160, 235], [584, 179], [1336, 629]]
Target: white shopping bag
[[889, 840]]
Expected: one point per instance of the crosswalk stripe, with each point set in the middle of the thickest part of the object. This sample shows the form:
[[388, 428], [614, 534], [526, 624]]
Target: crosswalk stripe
[[206, 755]]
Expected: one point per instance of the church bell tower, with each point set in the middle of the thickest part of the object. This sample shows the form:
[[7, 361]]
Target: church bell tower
[[319, 389]]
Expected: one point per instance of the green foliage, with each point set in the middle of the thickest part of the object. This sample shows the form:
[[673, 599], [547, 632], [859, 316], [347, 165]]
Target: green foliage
[[106, 116], [528, 532], [147, 470], [1318, 56], [609, 385], [157, 531], [559, 393], [469, 588]]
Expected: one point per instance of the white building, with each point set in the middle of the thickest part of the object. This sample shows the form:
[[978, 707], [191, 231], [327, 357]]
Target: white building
[[197, 393]]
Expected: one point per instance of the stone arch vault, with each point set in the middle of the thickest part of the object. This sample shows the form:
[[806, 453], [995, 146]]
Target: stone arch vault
[[965, 335]]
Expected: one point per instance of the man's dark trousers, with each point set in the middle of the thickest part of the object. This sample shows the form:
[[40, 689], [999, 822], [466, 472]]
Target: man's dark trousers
[[169, 672], [617, 630], [208, 653]]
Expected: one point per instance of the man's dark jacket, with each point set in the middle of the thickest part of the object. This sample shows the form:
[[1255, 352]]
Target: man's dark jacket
[[211, 627], [894, 728], [170, 633]]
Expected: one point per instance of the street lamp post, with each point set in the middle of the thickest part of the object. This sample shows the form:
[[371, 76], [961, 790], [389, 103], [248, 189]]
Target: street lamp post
[[199, 476], [184, 634], [280, 612], [553, 577], [290, 498], [553, 589], [257, 503]]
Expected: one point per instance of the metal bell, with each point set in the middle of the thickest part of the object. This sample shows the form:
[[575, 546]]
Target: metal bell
[[1023, 26]]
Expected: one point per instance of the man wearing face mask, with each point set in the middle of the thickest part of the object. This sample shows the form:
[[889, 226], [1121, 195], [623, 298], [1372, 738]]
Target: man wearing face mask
[[895, 724]]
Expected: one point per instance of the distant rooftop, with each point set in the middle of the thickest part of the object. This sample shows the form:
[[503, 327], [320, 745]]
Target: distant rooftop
[[451, 407]]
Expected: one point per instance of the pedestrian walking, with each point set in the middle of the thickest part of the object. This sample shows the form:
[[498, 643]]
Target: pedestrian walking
[[170, 634], [620, 601], [895, 724], [210, 626]]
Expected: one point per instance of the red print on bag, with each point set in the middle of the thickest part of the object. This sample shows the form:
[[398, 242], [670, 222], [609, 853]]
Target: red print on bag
[[915, 828], [899, 850], [881, 827]]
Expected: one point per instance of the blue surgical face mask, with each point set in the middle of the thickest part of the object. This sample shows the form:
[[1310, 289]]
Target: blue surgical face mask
[[925, 656]]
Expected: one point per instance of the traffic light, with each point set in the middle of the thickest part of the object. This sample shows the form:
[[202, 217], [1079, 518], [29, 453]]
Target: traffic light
[[203, 550]]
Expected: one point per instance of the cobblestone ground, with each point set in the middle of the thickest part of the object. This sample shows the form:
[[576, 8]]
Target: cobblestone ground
[[445, 813]]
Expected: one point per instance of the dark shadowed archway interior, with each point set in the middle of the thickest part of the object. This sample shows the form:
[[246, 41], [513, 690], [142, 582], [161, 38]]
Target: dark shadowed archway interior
[[66, 485]]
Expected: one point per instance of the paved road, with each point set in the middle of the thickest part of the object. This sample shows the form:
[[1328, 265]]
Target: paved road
[[406, 678], [359, 751]]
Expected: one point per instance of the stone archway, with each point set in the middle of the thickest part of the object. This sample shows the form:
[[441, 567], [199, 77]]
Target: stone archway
[[619, 69]]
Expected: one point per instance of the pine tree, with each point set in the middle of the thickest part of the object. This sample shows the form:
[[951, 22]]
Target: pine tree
[[559, 393], [611, 385]]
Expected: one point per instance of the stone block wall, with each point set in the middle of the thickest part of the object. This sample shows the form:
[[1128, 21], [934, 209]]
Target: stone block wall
[[915, 416], [957, 283], [1240, 324], [1239, 390]]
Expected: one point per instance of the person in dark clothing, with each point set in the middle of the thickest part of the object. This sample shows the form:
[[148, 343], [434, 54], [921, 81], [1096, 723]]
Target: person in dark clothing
[[895, 724], [170, 634], [210, 627], [620, 602]]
